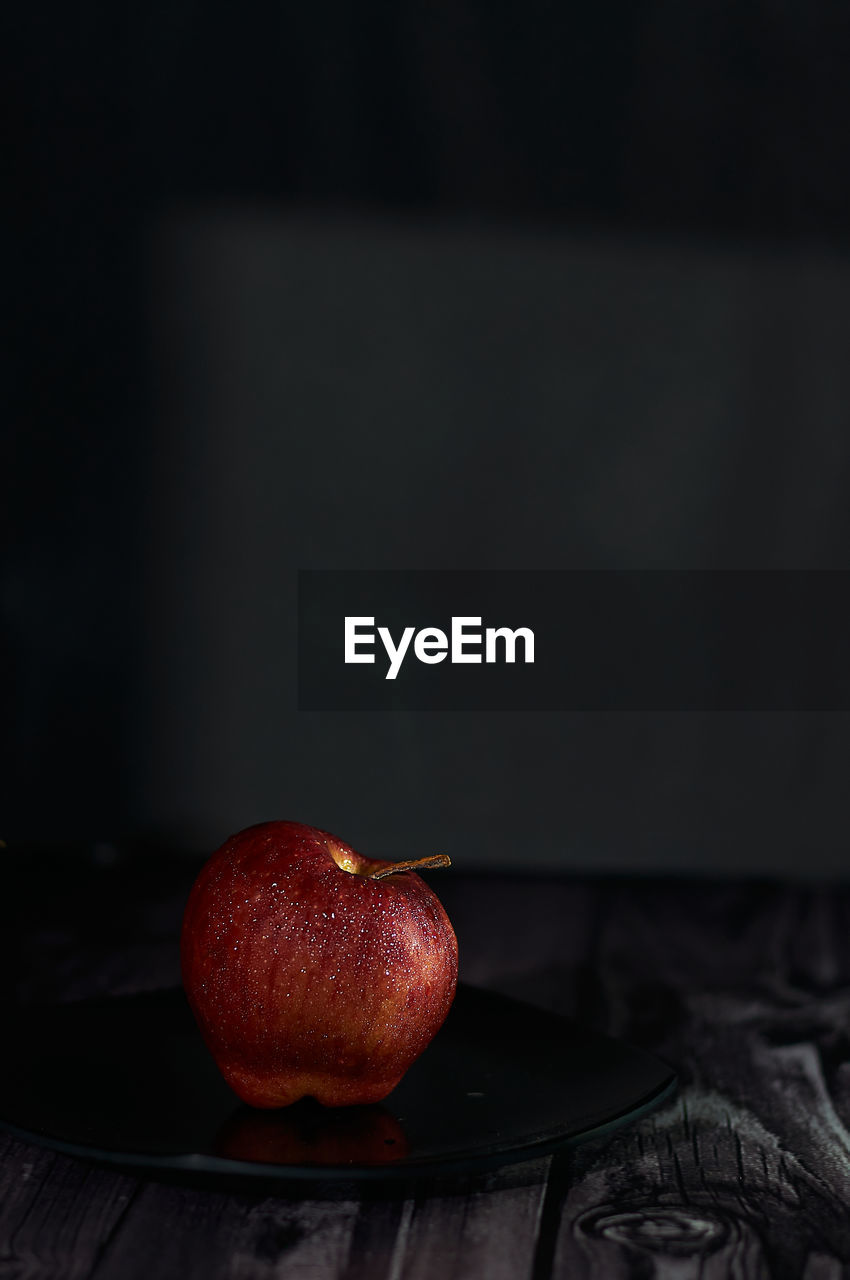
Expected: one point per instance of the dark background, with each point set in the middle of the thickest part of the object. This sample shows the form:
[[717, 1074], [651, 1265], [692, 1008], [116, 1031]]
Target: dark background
[[413, 286]]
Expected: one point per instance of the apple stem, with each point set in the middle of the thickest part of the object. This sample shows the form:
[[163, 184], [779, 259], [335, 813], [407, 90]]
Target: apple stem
[[412, 864]]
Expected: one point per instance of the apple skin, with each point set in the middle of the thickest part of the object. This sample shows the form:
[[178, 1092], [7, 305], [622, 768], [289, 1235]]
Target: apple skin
[[307, 977]]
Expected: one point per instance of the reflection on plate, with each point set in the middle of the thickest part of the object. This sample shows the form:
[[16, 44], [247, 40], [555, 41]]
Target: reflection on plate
[[129, 1080], [311, 1134]]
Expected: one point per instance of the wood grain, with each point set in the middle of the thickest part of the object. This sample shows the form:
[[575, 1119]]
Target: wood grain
[[744, 987]]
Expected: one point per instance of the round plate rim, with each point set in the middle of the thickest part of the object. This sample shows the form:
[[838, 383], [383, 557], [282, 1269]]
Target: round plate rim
[[463, 1162]]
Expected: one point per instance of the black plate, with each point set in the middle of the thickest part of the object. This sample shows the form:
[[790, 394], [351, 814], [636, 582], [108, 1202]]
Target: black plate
[[128, 1080]]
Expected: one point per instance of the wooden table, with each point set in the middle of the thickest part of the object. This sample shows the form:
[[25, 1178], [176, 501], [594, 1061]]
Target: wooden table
[[743, 987]]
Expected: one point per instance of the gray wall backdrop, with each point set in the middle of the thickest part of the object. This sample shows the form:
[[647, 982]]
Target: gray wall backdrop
[[345, 393]]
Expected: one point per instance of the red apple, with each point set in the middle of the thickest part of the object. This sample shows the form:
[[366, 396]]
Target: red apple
[[313, 971]]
